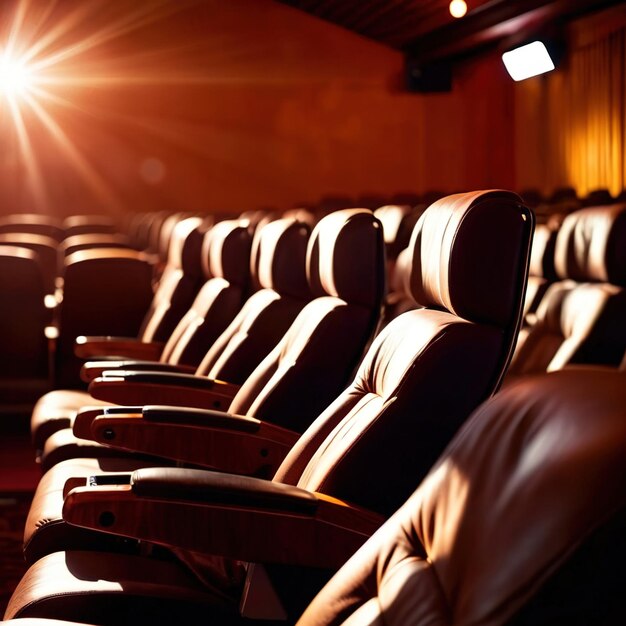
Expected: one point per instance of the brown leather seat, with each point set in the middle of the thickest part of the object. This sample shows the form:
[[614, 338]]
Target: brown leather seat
[[581, 317], [84, 224], [105, 291], [93, 240], [225, 259], [499, 533], [233, 351], [292, 384], [541, 272], [32, 223], [522, 520], [369, 448], [179, 283], [89, 296], [398, 222], [46, 249]]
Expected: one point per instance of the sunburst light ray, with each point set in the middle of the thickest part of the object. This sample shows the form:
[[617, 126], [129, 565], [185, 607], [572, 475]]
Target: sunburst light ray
[[47, 47]]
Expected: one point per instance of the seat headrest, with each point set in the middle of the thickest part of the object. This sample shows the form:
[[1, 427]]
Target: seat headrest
[[345, 257], [226, 252], [531, 475], [472, 272], [281, 257], [186, 246], [542, 252], [591, 245], [398, 221]]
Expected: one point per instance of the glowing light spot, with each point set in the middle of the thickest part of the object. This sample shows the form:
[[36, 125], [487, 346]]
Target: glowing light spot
[[458, 8], [152, 170], [15, 76]]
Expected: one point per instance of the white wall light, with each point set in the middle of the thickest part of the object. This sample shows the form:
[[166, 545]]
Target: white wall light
[[529, 60]]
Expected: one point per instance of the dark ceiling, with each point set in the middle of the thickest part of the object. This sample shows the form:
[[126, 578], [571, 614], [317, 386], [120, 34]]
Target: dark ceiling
[[426, 30]]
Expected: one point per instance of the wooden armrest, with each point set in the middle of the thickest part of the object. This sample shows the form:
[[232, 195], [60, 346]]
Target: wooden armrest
[[211, 439], [121, 387], [89, 347], [85, 416], [94, 369], [238, 517]]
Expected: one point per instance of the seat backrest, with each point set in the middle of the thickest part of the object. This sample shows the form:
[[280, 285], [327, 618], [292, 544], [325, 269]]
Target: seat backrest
[[225, 262], [430, 367], [279, 263], [398, 299], [23, 316], [46, 249], [106, 291], [179, 283], [85, 224], [93, 240], [32, 223], [319, 352], [581, 317], [542, 272], [522, 520], [398, 222]]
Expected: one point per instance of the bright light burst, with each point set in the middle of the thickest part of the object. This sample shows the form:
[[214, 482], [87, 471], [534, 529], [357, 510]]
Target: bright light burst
[[47, 50], [16, 77]]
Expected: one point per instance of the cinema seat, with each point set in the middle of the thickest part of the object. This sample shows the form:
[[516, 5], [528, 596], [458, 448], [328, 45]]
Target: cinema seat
[[369, 448], [581, 317], [46, 249], [541, 273], [203, 336], [504, 554], [24, 370], [300, 375], [225, 253], [521, 522], [32, 223], [88, 224]]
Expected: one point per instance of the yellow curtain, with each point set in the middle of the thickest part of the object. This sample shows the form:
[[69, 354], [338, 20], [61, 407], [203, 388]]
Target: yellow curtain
[[571, 124]]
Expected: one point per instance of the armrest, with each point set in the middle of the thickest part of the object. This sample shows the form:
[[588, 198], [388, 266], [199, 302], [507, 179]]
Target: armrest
[[249, 519], [94, 369], [85, 416], [122, 387], [89, 347], [212, 439]]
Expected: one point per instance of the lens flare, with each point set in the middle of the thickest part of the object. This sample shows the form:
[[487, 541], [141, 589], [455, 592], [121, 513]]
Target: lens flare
[[16, 78]]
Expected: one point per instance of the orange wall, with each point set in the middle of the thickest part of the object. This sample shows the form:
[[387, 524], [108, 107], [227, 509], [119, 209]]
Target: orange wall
[[206, 104]]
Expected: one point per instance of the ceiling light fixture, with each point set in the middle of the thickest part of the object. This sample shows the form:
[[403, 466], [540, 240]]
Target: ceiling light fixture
[[529, 60], [458, 8]]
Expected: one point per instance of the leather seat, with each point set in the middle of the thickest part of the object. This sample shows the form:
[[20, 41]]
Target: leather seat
[[213, 308], [581, 317], [85, 224], [542, 272], [300, 375], [32, 223], [105, 291], [87, 241], [46, 249], [498, 532], [522, 520], [96, 301], [369, 448]]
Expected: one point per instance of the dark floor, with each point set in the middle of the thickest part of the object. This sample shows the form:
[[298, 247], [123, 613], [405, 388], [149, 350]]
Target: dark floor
[[19, 475]]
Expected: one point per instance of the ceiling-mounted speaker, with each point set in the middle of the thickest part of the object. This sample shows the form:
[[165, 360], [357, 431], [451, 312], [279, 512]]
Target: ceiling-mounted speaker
[[428, 78]]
